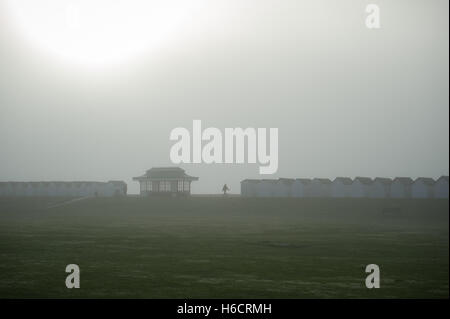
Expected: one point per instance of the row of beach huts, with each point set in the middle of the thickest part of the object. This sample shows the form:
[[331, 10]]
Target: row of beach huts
[[67, 189], [362, 187]]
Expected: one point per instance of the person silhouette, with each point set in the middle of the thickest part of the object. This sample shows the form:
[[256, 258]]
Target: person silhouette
[[225, 189]]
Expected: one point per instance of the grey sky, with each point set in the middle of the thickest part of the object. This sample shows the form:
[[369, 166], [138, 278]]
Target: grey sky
[[348, 101]]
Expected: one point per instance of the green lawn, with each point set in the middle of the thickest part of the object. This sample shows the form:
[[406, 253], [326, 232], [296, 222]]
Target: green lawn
[[224, 248]]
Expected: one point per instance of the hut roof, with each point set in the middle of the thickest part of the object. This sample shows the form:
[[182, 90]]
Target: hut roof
[[323, 180], [254, 181], [383, 180], [286, 181], [166, 173], [364, 180], [425, 180], [403, 180], [272, 181], [443, 178], [303, 180], [343, 180]]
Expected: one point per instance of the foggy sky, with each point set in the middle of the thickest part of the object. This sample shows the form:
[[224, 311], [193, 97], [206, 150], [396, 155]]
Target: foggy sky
[[348, 101]]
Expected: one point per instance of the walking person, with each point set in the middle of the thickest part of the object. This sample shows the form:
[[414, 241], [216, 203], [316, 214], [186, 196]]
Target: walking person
[[225, 189]]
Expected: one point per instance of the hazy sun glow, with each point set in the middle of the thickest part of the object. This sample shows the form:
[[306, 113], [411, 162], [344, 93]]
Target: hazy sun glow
[[99, 33]]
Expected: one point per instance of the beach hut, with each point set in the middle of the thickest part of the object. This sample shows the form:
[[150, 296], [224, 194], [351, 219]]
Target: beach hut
[[361, 187], [381, 188], [342, 187], [441, 187], [266, 188], [283, 187], [321, 187], [422, 187], [299, 187], [249, 187], [401, 187]]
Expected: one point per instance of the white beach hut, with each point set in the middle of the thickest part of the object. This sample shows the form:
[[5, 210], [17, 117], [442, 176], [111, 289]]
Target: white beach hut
[[401, 187], [283, 187], [381, 188], [248, 187], [266, 188], [299, 187], [342, 187], [321, 187], [441, 187], [422, 187], [361, 187]]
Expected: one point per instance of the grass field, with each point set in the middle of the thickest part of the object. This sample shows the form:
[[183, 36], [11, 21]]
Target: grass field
[[224, 247]]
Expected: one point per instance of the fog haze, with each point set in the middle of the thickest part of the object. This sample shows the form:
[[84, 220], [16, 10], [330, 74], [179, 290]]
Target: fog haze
[[347, 100]]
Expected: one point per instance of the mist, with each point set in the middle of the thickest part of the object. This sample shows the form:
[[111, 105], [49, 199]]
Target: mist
[[347, 100]]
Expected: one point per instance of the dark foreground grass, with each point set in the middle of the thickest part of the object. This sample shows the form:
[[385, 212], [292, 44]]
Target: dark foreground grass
[[224, 248]]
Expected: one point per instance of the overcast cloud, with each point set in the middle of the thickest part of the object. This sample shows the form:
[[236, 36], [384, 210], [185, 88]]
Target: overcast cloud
[[348, 101]]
